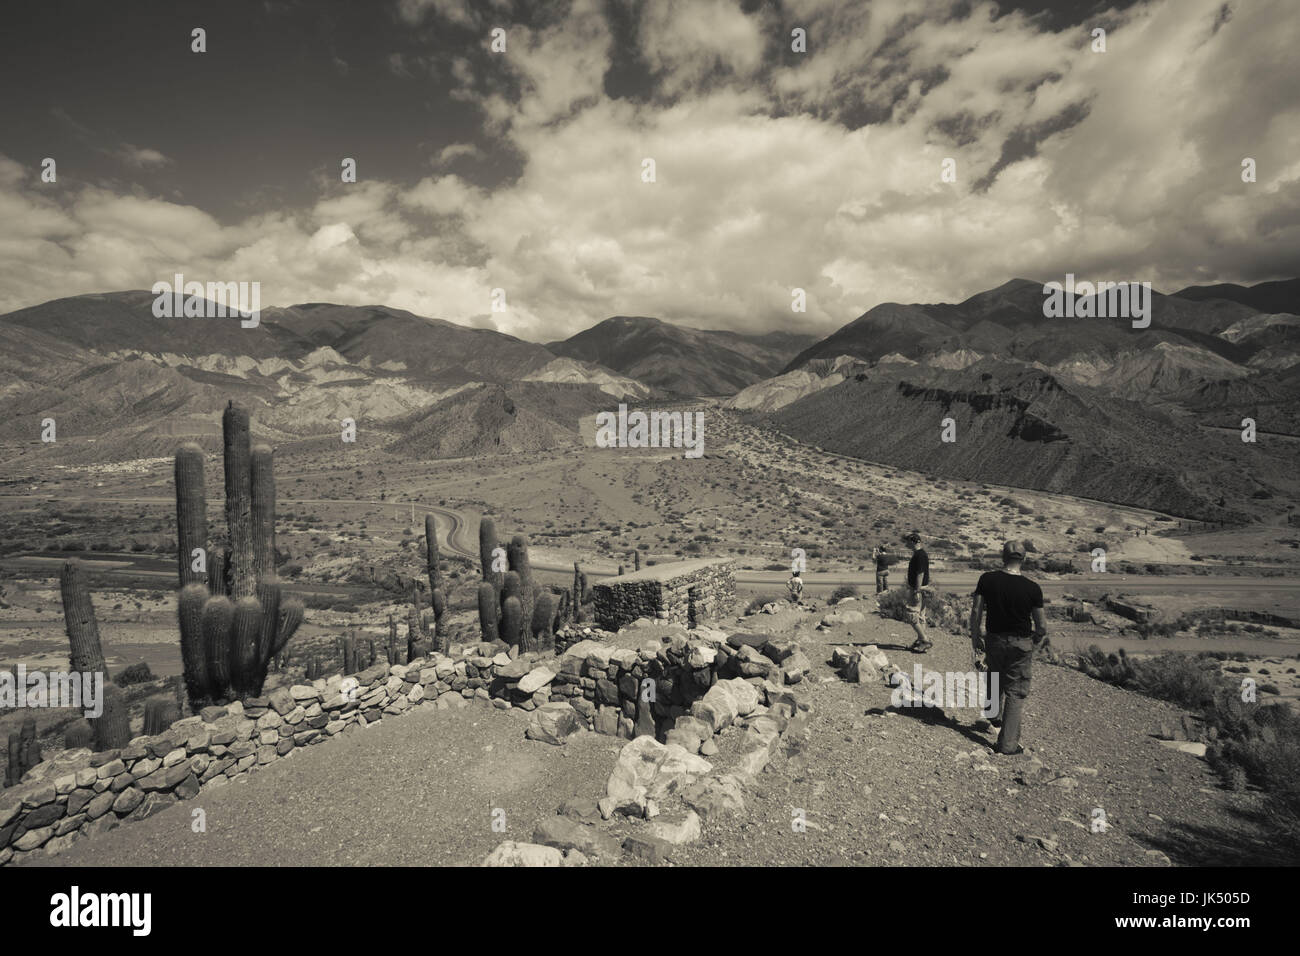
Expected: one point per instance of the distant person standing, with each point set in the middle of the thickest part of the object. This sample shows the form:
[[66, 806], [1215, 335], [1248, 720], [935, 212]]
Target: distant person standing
[[918, 582], [881, 554], [795, 587], [1015, 626]]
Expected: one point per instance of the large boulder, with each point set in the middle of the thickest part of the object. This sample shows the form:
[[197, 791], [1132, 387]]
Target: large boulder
[[511, 853], [725, 701], [648, 770]]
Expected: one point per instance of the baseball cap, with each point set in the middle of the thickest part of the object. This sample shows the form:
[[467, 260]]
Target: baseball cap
[[912, 536], [1013, 549]]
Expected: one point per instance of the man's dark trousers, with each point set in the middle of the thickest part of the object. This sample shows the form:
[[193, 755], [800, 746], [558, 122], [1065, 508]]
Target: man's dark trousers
[[1010, 657]]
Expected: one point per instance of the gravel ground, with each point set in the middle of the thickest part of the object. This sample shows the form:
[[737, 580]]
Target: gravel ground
[[417, 790], [913, 788], [874, 786]]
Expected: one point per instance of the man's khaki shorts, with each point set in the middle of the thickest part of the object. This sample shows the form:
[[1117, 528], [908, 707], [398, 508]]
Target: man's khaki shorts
[[916, 608]]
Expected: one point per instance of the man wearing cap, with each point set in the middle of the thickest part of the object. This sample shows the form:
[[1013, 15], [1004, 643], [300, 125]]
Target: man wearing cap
[[918, 582], [1015, 626]]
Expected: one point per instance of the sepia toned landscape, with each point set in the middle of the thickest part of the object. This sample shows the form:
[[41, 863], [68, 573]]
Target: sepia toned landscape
[[367, 577]]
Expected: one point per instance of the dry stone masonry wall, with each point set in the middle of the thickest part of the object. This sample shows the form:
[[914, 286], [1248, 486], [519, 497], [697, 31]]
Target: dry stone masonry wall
[[676, 692], [684, 592]]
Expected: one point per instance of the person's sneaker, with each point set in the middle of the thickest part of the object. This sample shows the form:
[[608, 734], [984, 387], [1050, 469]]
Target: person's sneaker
[[1009, 753], [983, 726], [920, 647]]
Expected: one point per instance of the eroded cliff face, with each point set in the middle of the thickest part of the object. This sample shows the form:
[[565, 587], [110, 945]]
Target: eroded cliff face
[[1027, 429]]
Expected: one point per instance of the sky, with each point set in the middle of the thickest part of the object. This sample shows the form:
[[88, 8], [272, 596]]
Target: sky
[[524, 170]]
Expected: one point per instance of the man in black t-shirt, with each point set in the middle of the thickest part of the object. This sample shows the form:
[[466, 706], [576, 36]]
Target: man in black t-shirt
[[1015, 626], [918, 582]]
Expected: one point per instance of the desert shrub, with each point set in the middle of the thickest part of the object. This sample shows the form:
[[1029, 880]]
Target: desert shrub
[[1057, 566], [946, 610], [842, 592], [1259, 743], [134, 674]]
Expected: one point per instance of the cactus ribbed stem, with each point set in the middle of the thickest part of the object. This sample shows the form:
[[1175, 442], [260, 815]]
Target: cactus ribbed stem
[[194, 659], [291, 614], [217, 561], [431, 553], [113, 725], [218, 621], [512, 619], [79, 616], [159, 714], [191, 514], [262, 479], [244, 636], [489, 611], [519, 563], [543, 622], [239, 500]]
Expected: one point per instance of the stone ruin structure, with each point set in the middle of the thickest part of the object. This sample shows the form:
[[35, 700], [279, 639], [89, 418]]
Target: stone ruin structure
[[684, 592]]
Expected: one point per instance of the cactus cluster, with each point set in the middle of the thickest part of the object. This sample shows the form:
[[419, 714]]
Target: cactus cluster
[[355, 655], [234, 619], [512, 608]]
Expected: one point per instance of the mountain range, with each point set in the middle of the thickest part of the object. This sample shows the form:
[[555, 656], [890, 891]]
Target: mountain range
[[1144, 416]]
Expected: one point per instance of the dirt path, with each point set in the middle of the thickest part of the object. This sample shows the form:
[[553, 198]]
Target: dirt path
[[914, 788]]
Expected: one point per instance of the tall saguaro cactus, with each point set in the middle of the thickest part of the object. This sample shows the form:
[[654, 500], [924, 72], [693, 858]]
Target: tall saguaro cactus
[[233, 627], [487, 544], [79, 616], [239, 499], [437, 596], [191, 515]]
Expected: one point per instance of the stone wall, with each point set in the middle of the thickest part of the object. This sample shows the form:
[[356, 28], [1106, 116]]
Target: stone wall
[[684, 592], [77, 793], [628, 692]]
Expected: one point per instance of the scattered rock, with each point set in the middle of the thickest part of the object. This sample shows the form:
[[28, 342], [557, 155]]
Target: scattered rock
[[511, 853], [646, 848], [553, 722], [564, 833], [677, 829]]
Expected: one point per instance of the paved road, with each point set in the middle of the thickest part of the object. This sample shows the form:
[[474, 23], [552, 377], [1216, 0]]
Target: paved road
[[457, 534]]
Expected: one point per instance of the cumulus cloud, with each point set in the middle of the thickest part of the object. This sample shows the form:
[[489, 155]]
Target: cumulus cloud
[[775, 170]]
